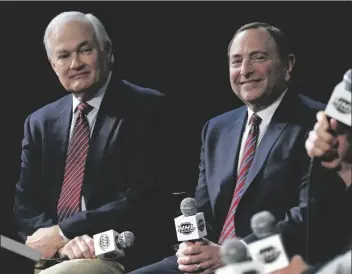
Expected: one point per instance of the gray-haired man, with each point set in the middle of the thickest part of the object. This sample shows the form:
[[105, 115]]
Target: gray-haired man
[[90, 160]]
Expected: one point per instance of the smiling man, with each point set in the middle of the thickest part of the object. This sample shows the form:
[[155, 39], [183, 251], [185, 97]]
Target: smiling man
[[253, 158], [90, 160]]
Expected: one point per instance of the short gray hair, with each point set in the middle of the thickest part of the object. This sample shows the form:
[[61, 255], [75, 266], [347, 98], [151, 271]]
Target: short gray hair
[[64, 17]]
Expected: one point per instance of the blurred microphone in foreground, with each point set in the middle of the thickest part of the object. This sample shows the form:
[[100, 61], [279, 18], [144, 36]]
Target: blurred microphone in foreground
[[268, 249], [339, 105], [234, 255]]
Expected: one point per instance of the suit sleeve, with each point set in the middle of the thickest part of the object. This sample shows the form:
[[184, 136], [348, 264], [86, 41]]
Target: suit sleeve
[[27, 209], [201, 193], [139, 206]]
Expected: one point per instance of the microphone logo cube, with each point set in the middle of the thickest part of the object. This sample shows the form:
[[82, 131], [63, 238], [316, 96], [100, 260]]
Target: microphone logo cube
[[270, 252], [190, 227], [339, 105], [105, 245]]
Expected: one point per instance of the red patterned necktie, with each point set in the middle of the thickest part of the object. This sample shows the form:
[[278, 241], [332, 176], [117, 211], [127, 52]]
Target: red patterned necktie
[[74, 168], [228, 230]]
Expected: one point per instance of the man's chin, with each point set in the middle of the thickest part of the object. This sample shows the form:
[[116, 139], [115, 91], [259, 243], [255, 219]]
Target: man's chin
[[84, 92], [253, 96]]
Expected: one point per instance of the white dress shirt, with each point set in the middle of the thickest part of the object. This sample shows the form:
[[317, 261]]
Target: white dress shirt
[[95, 102], [266, 115]]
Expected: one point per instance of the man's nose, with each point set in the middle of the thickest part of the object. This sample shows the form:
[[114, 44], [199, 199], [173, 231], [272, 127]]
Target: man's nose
[[76, 62], [246, 68]]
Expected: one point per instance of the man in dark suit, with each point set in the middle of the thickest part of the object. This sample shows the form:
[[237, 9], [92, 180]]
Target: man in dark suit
[[90, 160], [252, 158]]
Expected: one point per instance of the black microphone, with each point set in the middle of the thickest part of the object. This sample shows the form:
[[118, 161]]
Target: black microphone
[[234, 254], [191, 225], [268, 249], [110, 245]]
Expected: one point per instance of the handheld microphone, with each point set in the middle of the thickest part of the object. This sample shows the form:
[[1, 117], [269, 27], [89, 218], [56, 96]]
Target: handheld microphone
[[339, 105], [268, 249], [191, 225], [234, 255], [110, 245]]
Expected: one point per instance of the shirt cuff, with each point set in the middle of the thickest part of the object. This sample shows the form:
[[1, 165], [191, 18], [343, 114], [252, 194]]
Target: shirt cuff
[[62, 235]]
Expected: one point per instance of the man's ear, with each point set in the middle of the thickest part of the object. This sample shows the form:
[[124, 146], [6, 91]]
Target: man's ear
[[291, 60], [108, 50], [53, 65]]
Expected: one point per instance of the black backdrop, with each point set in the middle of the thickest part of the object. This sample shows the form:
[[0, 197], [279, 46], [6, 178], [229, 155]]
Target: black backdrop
[[178, 48]]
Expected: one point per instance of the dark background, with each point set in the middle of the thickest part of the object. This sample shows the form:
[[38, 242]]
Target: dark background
[[179, 48]]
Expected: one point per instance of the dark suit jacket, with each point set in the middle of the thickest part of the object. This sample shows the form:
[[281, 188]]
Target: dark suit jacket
[[277, 179], [123, 187]]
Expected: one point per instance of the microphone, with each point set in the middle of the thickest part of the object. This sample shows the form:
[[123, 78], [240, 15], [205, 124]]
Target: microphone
[[110, 245], [339, 105], [234, 255], [191, 225], [268, 249]]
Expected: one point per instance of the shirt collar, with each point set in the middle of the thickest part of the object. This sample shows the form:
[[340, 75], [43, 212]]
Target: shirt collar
[[267, 113], [95, 102]]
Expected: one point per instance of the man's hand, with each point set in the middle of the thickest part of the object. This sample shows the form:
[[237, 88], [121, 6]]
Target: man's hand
[[79, 248], [199, 257], [296, 266], [46, 240], [332, 143]]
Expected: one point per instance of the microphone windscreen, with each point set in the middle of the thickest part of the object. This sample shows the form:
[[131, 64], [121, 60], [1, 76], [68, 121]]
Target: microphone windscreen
[[233, 251], [263, 223], [347, 80], [126, 239], [189, 207]]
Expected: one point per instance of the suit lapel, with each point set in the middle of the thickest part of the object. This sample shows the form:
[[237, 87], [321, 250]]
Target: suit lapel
[[275, 128], [229, 154], [107, 118], [59, 139], [273, 132], [234, 138]]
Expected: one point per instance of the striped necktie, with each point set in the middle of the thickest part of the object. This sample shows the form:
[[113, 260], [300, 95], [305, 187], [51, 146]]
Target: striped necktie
[[228, 230], [69, 201]]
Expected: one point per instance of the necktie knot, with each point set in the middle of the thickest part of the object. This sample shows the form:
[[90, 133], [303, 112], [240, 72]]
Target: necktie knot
[[84, 108], [255, 120]]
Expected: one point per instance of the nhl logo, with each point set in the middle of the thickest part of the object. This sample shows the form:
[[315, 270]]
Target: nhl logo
[[104, 242], [342, 105], [186, 228]]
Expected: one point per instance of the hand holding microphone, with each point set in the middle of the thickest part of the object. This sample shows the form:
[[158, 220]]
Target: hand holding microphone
[[333, 148], [81, 247], [331, 139], [195, 254]]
